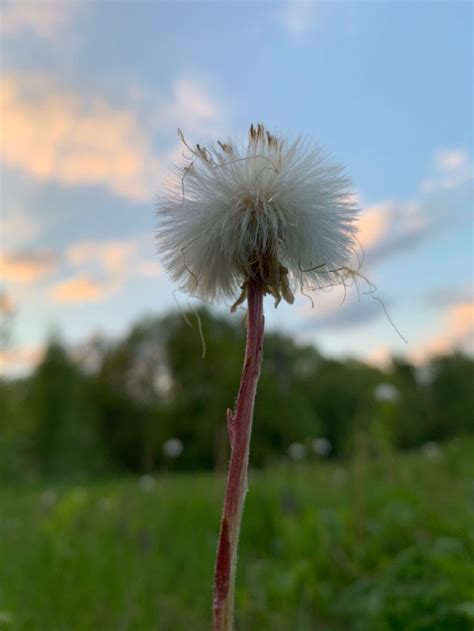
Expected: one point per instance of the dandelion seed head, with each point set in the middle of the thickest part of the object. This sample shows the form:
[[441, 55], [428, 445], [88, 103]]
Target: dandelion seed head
[[146, 483], [321, 447], [173, 447], [297, 451], [432, 451], [386, 392], [274, 209]]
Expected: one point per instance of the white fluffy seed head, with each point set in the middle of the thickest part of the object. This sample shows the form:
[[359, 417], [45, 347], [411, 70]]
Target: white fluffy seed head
[[275, 209]]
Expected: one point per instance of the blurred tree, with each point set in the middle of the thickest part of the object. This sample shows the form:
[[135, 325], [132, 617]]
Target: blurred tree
[[203, 388], [65, 424], [342, 397], [16, 429], [119, 402], [284, 413], [411, 419], [451, 397], [130, 392]]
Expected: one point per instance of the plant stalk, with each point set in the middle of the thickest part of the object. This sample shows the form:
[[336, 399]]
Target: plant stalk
[[239, 424]]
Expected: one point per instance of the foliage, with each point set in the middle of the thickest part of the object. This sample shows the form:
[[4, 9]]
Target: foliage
[[115, 406], [64, 420], [137, 553]]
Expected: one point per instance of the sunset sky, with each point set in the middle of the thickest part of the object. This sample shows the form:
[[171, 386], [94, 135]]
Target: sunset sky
[[92, 94]]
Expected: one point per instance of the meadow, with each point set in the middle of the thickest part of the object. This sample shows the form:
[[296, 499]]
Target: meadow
[[361, 545]]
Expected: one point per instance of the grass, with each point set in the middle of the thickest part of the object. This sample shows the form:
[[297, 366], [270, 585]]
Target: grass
[[327, 546]]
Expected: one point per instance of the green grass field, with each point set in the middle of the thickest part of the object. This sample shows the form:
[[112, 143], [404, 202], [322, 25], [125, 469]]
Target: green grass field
[[325, 546]]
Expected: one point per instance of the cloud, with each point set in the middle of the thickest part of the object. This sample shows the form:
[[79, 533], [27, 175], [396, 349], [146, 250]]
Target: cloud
[[452, 169], [191, 106], [26, 267], [18, 228], [116, 258], [150, 268], [297, 17], [449, 296], [337, 309], [346, 316], [373, 224], [112, 256], [7, 304], [43, 19], [101, 268], [20, 360], [380, 356], [457, 333], [389, 228], [449, 160], [52, 134], [56, 136], [79, 289]]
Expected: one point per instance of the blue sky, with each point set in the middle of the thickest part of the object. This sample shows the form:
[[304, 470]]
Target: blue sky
[[92, 94]]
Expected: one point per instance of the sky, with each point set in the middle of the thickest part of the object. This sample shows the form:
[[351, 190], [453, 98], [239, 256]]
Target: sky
[[92, 94]]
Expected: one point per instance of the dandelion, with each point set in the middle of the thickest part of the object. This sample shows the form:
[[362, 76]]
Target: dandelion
[[297, 451], [340, 477], [432, 451], [172, 448], [270, 217], [321, 447], [146, 483], [48, 498], [275, 211], [386, 392], [105, 504]]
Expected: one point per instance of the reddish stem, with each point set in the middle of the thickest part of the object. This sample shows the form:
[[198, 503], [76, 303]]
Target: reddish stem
[[240, 429]]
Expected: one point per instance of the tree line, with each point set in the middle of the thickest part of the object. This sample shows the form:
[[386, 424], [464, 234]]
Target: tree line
[[115, 405]]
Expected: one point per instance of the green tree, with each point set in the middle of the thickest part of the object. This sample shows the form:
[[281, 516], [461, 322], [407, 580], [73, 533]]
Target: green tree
[[450, 396], [65, 423], [130, 392], [411, 413]]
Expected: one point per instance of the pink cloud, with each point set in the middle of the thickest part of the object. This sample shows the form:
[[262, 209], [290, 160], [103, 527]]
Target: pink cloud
[[79, 289], [55, 135], [389, 227], [20, 360], [452, 169], [7, 305], [26, 267], [457, 333], [373, 224], [451, 159], [112, 256], [380, 357], [150, 268], [113, 261]]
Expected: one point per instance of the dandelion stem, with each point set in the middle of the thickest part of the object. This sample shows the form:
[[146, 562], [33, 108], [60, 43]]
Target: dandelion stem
[[239, 425]]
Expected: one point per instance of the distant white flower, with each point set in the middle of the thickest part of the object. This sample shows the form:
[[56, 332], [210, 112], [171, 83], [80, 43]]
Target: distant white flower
[[147, 483], [340, 476], [321, 447], [172, 447], [105, 504], [386, 392], [297, 451], [432, 451], [275, 209], [48, 498]]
